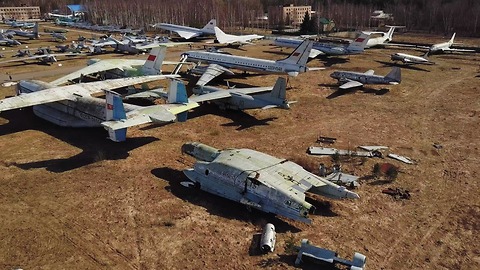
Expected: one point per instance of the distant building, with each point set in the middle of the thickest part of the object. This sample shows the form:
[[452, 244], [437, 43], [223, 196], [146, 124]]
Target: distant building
[[20, 13], [288, 15]]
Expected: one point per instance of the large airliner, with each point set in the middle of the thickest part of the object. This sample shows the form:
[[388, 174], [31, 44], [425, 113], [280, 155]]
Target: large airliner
[[187, 32], [294, 64], [326, 49]]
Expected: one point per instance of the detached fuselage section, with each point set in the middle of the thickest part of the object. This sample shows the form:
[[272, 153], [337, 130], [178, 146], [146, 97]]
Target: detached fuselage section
[[258, 180]]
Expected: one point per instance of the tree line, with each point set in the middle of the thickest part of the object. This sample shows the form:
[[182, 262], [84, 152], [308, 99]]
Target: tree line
[[435, 16]]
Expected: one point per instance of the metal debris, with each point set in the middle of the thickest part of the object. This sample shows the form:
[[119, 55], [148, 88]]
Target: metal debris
[[398, 193], [338, 177], [318, 255], [267, 242], [313, 150], [328, 140], [401, 158]]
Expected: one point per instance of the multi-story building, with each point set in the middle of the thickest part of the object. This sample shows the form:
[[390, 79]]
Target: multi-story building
[[288, 14], [20, 13]]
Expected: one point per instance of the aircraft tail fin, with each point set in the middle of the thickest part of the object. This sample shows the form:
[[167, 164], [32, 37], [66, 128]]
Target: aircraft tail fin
[[177, 93], [35, 30], [153, 64], [300, 55], [358, 45], [390, 33], [280, 89], [278, 94], [114, 110], [450, 43], [210, 26], [394, 75], [221, 36]]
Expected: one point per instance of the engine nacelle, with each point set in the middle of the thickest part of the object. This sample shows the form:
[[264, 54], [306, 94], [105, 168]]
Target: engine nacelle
[[267, 242]]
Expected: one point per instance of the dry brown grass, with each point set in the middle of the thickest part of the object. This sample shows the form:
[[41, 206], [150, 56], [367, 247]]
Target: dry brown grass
[[66, 206]]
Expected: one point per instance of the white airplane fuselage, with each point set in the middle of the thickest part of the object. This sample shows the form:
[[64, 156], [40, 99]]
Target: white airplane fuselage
[[245, 63], [81, 112], [407, 58]]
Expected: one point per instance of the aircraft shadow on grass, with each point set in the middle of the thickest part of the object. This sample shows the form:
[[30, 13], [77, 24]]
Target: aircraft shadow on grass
[[216, 205], [92, 141], [280, 52], [366, 90], [330, 61], [392, 64], [240, 119]]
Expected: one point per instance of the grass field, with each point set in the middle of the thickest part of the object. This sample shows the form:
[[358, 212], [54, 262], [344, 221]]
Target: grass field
[[72, 199]]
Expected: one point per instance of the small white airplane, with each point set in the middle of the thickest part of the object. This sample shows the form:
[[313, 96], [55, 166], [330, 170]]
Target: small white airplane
[[384, 37], [224, 38], [446, 47], [74, 105], [116, 68], [409, 59], [187, 32], [293, 65]]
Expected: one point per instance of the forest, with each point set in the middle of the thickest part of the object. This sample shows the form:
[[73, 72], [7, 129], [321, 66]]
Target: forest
[[433, 16]]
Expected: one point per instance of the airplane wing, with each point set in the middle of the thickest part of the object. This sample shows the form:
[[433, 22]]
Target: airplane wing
[[152, 114], [301, 181], [350, 84], [70, 92], [100, 66], [457, 50], [212, 71], [187, 34], [210, 96], [104, 43]]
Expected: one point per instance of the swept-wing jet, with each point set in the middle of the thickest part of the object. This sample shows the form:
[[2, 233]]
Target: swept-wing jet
[[117, 68], [409, 59], [7, 41], [446, 47], [18, 24], [29, 34], [294, 64], [349, 79], [187, 32], [46, 58], [74, 105], [327, 49], [224, 38], [244, 98], [258, 180], [383, 38], [58, 36]]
